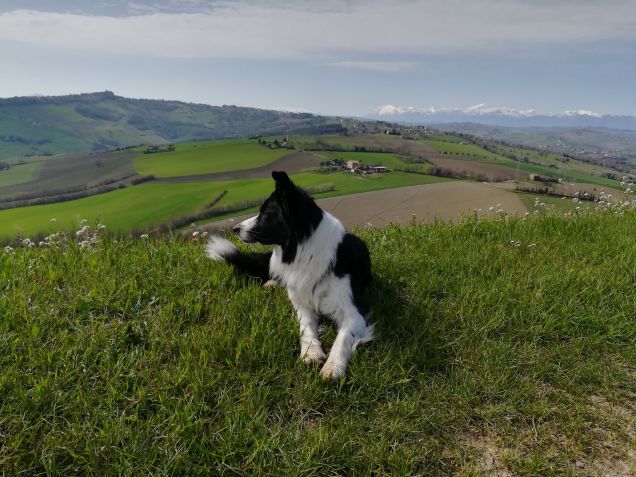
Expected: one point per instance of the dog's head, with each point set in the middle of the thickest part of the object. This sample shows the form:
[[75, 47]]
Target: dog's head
[[286, 217]]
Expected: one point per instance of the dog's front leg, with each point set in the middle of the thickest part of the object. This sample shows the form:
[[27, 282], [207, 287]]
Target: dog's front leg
[[352, 329], [310, 350]]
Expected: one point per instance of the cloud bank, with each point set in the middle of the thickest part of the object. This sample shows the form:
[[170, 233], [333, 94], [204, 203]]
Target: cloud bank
[[355, 34]]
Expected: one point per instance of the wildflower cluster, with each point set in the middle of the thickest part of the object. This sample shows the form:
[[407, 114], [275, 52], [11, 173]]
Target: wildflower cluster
[[197, 235], [86, 236], [54, 240]]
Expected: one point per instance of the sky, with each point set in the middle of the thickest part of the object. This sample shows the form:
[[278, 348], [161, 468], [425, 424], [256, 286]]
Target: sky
[[345, 57]]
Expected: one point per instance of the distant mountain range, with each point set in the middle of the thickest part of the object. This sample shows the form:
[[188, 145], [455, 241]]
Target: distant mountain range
[[77, 124], [502, 116]]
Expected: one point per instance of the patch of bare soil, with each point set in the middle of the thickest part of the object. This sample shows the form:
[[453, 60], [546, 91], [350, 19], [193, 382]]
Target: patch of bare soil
[[443, 200], [489, 456], [619, 456], [614, 433], [292, 163]]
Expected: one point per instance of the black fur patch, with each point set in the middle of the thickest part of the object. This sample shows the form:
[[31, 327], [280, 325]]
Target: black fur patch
[[352, 258], [254, 265]]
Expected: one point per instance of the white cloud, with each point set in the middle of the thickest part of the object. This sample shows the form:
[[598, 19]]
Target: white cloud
[[338, 36]]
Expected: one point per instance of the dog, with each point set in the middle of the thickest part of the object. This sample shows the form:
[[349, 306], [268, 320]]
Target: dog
[[325, 269]]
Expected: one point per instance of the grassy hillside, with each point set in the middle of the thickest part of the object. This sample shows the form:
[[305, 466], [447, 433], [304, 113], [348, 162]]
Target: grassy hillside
[[83, 123], [504, 346]]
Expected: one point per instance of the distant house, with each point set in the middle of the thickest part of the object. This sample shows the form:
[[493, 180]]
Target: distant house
[[380, 169], [353, 165]]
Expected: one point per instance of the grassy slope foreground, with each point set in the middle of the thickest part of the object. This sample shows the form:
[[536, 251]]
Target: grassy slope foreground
[[502, 346]]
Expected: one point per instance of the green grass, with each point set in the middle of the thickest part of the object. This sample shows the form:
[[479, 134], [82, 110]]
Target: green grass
[[494, 338], [208, 157]]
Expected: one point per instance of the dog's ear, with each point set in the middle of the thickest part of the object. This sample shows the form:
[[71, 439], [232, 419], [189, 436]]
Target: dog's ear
[[282, 180]]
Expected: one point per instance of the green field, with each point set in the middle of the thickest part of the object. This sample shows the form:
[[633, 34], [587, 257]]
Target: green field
[[132, 208], [143, 206], [208, 157], [504, 344]]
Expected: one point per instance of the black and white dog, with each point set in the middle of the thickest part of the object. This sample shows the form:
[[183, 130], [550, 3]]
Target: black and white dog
[[324, 269]]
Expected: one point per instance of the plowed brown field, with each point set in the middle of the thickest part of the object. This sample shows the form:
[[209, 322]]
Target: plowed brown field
[[444, 200]]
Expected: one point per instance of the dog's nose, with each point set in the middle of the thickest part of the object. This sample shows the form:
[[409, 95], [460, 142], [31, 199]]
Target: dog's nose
[[236, 229]]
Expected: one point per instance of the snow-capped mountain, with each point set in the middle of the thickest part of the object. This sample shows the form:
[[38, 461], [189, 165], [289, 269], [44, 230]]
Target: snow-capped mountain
[[501, 116]]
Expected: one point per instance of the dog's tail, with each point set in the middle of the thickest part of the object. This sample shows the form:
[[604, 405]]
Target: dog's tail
[[255, 265]]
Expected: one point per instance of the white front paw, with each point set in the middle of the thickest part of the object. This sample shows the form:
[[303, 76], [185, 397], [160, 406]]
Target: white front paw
[[332, 370], [313, 355]]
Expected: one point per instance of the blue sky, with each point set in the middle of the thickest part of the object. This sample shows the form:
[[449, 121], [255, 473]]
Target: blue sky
[[345, 57]]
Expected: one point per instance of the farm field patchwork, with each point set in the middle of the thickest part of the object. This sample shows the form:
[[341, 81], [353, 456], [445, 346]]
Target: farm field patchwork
[[154, 204], [145, 205], [208, 157]]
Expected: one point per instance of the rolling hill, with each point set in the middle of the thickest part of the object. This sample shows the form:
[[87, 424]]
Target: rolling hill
[[76, 124]]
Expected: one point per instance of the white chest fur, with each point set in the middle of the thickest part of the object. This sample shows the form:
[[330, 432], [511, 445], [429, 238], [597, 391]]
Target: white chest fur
[[314, 257]]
